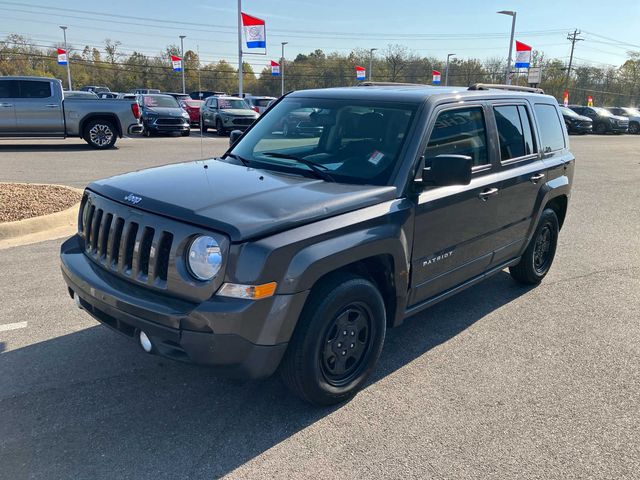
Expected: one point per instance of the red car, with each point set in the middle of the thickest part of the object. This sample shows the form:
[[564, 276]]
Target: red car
[[193, 109]]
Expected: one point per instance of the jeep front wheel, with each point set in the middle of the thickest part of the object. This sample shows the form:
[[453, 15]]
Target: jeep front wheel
[[100, 134], [337, 341], [538, 257]]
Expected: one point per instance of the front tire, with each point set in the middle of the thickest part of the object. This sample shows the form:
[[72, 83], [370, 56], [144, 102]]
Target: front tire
[[186, 133], [601, 128], [536, 261], [634, 128], [219, 128], [337, 341], [100, 134]]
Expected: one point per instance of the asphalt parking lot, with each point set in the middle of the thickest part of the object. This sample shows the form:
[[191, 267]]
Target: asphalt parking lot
[[499, 382]]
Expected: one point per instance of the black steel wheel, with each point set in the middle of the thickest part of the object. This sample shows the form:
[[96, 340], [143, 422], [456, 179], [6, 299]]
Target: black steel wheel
[[337, 341], [538, 257]]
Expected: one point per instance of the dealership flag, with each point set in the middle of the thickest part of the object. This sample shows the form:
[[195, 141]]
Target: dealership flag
[[565, 99], [361, 72], [589, 101], [62, 57], [523, 55], [177, 63], [254, 31], [275, 68], [436, 77]]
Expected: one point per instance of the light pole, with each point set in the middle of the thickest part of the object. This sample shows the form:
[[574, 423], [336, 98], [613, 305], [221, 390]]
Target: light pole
[[371, 50], [282, 69], [182, 37], [64, 33], [446, 69], [512, 14]]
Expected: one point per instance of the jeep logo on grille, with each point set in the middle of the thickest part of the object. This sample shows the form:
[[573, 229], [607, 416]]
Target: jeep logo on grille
[[134, 199]]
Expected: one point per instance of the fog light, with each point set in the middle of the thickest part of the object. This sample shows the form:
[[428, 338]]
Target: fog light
[[145, 342]]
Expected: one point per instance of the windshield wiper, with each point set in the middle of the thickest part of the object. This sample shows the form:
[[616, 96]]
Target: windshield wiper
[[313, 166], [244, 161]]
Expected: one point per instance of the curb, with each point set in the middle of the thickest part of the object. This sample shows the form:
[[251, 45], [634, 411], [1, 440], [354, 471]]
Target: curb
[[53, 222]]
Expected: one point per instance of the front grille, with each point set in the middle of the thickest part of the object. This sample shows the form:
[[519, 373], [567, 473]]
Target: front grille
[[242, 121], [136, 251], [169, 121], [142, 247]]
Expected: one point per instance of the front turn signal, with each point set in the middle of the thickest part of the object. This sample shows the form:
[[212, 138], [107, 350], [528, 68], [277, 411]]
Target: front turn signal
[[249, 292]]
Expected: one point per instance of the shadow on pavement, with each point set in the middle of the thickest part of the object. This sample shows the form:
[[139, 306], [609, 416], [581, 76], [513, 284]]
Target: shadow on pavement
[[90, 405], [48, 147]]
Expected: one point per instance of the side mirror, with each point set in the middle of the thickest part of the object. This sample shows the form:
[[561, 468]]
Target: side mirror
[[447, 170], [234, 136]]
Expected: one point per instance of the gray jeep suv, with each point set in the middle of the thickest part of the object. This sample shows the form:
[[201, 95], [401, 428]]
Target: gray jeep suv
[[297, 253]]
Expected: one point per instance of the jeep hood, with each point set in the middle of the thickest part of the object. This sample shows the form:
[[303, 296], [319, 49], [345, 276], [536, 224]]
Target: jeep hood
[[242, 202]]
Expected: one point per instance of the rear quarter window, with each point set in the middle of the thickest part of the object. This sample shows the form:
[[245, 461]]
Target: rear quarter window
[[550, 127], [34, 89]]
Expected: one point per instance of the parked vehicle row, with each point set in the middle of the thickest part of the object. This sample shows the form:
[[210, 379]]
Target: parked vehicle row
[[582, 119]]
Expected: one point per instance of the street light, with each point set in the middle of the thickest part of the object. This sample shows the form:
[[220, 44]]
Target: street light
[[371, 50], [182, 37], [282, 69], [446, 69], [64, 33], [512, 14]]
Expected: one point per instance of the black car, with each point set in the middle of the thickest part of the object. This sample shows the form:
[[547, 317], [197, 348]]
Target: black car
[[576, 123], [603, 120], [163, 114], [297, 253], [204, 94]]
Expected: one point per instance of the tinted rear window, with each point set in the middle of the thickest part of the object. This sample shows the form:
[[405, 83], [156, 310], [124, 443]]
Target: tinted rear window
[[34, 89], [550, 126]]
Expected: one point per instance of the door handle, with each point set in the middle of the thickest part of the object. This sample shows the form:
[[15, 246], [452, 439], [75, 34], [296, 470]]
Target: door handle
[[6, 105], [537, 177], [487, 192], [52, 105]]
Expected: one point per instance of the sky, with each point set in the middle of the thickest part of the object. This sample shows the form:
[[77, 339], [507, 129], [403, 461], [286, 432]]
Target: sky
[[468, 28]]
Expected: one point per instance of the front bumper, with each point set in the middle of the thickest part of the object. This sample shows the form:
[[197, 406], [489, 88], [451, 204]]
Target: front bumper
[[240, 338], [157, 125]]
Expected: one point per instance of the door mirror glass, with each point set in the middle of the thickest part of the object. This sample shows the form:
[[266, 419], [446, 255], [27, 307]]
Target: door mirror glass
[[444, 170], [234, 136]]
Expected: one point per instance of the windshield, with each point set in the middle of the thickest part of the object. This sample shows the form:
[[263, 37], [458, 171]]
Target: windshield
[[634, 112], [351, 141], [602, 111], [568, 112], [159, 101], [230, 103]]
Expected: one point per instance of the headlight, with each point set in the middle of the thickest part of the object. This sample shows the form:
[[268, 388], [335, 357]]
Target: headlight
[[185, 115], [204, 258]]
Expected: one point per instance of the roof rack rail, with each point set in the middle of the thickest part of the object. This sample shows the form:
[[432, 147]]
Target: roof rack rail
[[515, 88], [390, 84]]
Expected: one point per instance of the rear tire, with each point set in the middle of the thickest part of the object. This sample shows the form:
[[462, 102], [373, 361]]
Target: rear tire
[[601, 128], [100, 134], [337, 341], [536, 260]]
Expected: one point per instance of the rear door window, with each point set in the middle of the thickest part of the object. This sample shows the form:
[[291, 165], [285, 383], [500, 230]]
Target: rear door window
[[550, 127], [514, 131], [34, 89], [461, 131]]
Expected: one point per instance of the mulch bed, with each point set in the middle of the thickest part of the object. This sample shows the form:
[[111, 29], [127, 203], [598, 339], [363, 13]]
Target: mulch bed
[[19, 201]]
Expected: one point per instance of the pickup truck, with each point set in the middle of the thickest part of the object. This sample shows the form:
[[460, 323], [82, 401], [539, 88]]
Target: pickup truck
[[297, 253], [35, 107]]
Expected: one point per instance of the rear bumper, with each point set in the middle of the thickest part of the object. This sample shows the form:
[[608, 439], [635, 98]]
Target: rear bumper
[[239, 338], [134, 129]]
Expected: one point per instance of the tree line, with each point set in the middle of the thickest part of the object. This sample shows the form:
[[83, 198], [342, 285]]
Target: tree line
[[120, 71]]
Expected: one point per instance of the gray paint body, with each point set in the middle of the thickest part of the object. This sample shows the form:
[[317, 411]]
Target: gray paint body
[[292, 230]]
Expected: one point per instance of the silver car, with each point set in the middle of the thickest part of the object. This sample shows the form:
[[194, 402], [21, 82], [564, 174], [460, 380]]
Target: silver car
[[226, 113]]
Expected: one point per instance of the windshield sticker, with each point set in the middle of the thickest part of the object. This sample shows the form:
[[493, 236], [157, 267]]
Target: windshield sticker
[[375, 157]]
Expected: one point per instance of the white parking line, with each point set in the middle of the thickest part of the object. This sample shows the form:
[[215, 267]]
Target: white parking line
[[12, 326]]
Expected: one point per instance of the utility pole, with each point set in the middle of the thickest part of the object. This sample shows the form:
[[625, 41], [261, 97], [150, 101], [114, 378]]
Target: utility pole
[[573, 38], [282, 69], [371, 50], [182, 37], [64, 32]]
